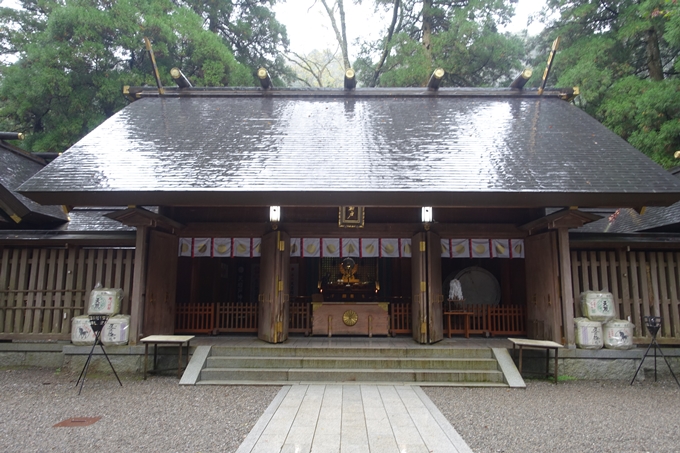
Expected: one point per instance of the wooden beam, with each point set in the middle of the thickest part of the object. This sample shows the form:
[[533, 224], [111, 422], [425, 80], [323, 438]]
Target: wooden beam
[[435, 79], [350, 79], [566, 289], [265, 80], [383, 230], [521, 79], [179, 78], [138, 285]]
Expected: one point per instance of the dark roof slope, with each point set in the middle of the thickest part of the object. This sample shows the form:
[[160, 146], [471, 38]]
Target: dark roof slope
[[16, 166], [387, 150]]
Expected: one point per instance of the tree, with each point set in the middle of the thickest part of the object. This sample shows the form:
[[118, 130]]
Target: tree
[[319, 68], [69, 73], [623, 55], [250, 28], [460, 36]]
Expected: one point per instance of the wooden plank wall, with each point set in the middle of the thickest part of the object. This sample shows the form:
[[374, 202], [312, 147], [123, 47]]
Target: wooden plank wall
[[41, 289], [643, 283]]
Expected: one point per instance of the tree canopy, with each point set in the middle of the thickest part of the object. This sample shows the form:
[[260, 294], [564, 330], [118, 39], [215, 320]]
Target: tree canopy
[[460, 36], [623, 54], [73, 57]]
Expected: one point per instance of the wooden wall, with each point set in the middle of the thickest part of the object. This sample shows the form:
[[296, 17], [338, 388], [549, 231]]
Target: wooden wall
[[41, 289], [644, 283]]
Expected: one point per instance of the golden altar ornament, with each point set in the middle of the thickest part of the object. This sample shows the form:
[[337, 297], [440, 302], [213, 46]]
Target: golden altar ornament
[[350, 317]]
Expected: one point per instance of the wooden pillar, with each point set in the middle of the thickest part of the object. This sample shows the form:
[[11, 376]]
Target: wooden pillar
[[138, 285], [566, 289]]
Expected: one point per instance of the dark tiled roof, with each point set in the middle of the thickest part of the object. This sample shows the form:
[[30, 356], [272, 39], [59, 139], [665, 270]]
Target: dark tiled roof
[[389, 150], [16, 167]]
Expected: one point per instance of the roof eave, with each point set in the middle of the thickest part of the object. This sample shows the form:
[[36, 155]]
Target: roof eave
[[393, 198]]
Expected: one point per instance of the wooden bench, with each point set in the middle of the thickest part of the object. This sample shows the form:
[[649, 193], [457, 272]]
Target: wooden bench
[[155, 340], [536, 344]]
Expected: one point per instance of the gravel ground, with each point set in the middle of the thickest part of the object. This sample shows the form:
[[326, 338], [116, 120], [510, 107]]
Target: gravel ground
[[573, 416], [156, 415]]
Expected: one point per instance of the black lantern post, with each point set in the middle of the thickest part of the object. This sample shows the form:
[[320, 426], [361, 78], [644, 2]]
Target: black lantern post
[[653, 324], [97, 322]]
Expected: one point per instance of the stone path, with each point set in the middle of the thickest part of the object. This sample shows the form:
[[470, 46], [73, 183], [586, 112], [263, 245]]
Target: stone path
[[353, 419]]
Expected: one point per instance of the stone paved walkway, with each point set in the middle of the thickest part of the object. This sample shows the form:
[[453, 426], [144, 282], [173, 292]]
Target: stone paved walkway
[[353, 419]]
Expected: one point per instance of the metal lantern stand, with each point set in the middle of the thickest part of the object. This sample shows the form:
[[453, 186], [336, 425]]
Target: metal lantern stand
[[653, 325], [97, 322]]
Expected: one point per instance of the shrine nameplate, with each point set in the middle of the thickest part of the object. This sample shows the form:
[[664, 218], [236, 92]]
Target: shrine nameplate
[[368, 318]]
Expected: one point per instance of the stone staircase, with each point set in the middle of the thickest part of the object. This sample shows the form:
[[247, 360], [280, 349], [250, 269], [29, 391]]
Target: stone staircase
[[282, 365]]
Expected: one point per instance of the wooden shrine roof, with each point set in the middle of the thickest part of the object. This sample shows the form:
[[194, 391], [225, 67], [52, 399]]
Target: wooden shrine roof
[[392, 147], [16, 166]]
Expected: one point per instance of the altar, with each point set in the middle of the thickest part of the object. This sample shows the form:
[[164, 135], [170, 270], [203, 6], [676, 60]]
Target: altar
[[348, 305], [357, 318]]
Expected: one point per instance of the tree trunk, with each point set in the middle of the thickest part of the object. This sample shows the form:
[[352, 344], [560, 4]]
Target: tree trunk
[[388, 41], [427, 28], [654, 64], [340, 34]]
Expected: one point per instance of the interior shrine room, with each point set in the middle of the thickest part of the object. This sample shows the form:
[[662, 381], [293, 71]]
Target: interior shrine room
[[351, 279]]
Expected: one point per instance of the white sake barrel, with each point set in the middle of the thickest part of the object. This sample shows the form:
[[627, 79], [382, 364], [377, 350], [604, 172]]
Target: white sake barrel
[[81, 331], [588, 333], [116, 332], [618, 334], [598, 306]]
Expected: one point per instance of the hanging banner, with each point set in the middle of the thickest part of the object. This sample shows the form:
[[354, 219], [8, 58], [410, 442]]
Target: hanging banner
[[370, 248], [330, 247], [256, 247], [350, 247], [185, 246], [389, 248], [517, 248], [460, 248], [500, 248], [202, 247], [294, 246], [480, 248], [405, 248], [241, 247], [446, 248], [310, 247], [221, 247]]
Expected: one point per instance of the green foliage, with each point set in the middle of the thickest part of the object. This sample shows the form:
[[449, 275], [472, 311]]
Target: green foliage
[[249, 27], [647, 114], [623, 55], [71, 69], [462, 38]]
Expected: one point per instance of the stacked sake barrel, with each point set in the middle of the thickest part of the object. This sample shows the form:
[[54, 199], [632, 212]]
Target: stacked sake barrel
[[599, 327], [103, 301]]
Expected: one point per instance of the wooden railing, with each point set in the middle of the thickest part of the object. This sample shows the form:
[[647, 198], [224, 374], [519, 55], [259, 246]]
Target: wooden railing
[[508, 320], [400, 317], [236, 317], [494, 320], [300, 318], [195, 318], [43, 288]]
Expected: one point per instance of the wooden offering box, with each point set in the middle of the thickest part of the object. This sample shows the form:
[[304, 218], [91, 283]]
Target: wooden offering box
[[367, 318]]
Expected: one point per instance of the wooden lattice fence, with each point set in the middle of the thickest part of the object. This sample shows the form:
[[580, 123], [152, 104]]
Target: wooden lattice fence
[[643, 283], [41, 289]]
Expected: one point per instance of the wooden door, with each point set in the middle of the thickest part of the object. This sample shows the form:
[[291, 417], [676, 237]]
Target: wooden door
[[426, 283], [161, 284], [419, 288], [543, 280], [274, 295], [435, 297]]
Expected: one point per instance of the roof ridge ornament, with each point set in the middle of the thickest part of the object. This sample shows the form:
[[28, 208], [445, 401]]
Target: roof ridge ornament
[[548, 66], [350, 79], [265, 80], [435, 79]]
